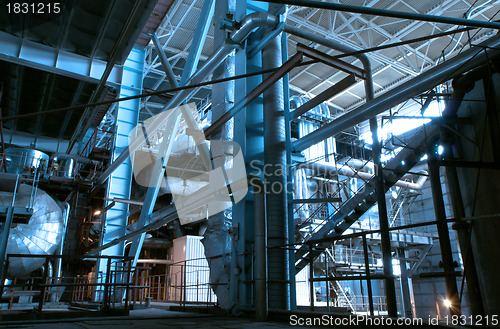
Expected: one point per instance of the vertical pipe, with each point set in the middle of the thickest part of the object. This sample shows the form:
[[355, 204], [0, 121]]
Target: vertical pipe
[[461, 86], [311, 275], [367, 273], [276, 200], [327, 285], [60, 249], [289, 173], [444, 237], [260, 267]]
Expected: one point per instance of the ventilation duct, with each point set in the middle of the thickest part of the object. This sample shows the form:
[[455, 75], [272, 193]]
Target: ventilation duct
[[40, 236]]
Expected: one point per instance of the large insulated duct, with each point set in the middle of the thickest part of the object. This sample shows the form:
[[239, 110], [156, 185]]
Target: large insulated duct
[[276, 199], [40, 236]]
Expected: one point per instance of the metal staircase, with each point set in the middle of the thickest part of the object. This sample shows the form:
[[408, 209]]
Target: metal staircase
[[357, 205]]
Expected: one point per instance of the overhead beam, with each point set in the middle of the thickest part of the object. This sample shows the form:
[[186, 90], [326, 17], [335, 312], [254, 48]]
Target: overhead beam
[[31, 54], [387, 13]]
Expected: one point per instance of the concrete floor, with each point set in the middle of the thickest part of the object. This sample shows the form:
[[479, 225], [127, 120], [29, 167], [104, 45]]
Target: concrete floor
[[150, 318]]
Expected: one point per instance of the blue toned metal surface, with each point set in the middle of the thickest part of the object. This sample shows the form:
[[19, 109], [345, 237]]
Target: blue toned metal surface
[[248, 133], [28, 53], [200, 34], [289, 174], [217, 239], [258, 46], [164, 62], [276, 200], [120, 181]]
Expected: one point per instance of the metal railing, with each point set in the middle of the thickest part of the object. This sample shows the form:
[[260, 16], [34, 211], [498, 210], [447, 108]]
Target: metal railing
[[101, 139], [105, 290], [185, 282]]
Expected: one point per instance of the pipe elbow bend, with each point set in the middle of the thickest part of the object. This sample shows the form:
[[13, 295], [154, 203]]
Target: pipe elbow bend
[[252, 21]]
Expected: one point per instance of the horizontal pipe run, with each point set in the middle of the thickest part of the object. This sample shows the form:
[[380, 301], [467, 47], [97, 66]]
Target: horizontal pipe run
[[458, 65], [331, 170], [387, 13]]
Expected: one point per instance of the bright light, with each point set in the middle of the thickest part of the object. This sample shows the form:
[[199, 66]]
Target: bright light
[[447, 303], [400, 126], [396, 268], [97, 213]]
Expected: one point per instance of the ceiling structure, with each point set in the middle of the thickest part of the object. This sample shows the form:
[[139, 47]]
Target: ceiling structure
[[44, 56], [391, 66]]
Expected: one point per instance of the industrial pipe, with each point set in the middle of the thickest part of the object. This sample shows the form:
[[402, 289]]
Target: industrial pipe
[[275, 159], [458, 65], [260, 247], [331, 169], [363, 58]]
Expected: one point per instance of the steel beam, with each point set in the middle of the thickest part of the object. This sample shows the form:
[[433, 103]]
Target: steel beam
[[405, 286], [323, 97], [317, 200], [385, 237], [444, 236], [164, 62], [332, 61], [198, 41]]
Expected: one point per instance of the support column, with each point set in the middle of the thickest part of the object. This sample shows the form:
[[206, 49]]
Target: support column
[[463, 231], [385, 238], [119, 183], [444, 237]]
